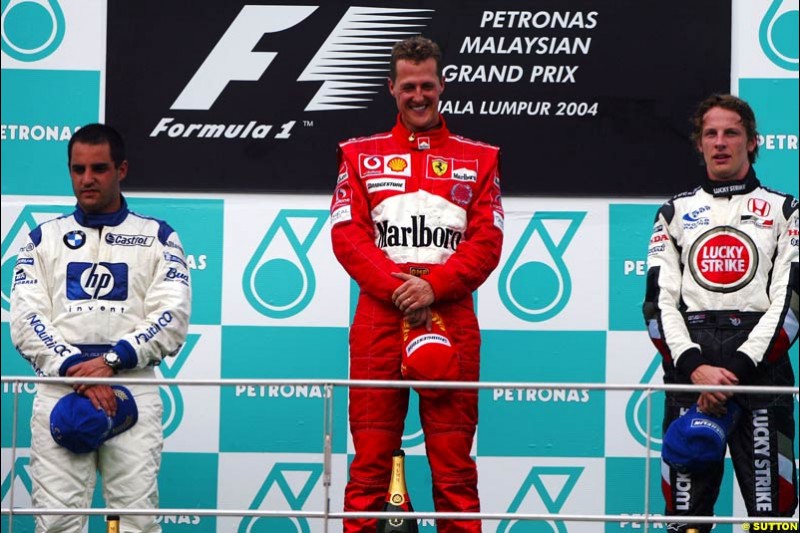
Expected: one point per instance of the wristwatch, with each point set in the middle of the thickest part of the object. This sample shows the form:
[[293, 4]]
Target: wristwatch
[[112, 360]]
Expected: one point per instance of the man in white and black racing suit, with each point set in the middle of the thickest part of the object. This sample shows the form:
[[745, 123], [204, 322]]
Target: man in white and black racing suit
[[95, 293], [722, 308]]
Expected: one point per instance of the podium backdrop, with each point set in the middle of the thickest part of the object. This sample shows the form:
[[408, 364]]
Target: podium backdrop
[[232, 111]]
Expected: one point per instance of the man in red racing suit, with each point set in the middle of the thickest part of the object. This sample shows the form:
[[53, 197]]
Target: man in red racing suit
[[417, 222]]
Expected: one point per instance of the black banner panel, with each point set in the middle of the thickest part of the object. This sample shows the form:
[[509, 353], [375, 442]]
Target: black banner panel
[[584, 97]]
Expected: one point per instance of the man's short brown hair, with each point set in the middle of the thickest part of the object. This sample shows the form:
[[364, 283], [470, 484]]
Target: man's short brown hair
[[416, 49], [731, 103]]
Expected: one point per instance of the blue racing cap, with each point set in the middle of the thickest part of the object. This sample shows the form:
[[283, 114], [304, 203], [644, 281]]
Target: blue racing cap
[[81, 428], [695, 440]]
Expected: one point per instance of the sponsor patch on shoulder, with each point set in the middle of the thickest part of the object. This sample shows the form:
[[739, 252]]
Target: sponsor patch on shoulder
[[175, 259], [342, 196], [499, 221], [340, 215], [343, 174]]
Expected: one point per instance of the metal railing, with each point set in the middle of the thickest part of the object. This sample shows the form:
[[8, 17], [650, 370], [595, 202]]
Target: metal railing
[[646, 518]]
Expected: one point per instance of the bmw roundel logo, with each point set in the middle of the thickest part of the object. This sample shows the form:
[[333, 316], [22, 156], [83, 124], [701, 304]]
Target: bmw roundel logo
[[74, 239]]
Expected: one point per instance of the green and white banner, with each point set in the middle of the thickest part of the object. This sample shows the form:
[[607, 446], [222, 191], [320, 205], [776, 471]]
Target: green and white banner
[[271, 301]]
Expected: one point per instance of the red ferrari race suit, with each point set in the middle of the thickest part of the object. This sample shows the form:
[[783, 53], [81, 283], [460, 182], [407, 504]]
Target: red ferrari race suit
[[426, 204], [722, 289]]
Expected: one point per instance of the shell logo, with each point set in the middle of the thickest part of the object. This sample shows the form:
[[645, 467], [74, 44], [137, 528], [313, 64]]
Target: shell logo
[[397, 164]]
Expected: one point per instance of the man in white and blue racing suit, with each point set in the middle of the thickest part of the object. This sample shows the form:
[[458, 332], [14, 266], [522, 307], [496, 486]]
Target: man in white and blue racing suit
[[99, 292]]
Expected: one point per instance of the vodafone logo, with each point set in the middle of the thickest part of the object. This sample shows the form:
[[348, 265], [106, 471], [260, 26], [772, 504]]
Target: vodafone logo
[[373, 163], [342, 196], [391, 165], [723, 260]]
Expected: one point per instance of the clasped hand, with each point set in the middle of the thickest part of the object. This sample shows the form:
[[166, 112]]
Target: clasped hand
[[414, 299], [101, 396], [713, 402]]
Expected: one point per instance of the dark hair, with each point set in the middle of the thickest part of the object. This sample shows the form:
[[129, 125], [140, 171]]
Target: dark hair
[[416, 49], [731, 103], [99, 134]]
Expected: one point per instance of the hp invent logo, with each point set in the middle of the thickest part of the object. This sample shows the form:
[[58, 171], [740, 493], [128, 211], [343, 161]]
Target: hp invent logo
[[352, 62], [97, 281]]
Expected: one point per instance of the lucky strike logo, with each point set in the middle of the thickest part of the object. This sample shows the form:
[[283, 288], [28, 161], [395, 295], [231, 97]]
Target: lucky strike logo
[[723, 260]]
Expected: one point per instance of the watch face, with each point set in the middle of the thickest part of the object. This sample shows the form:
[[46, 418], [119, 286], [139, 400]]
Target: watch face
[[111, 359]]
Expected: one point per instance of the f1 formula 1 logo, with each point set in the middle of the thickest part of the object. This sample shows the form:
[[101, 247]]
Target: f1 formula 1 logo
[[361, 35]]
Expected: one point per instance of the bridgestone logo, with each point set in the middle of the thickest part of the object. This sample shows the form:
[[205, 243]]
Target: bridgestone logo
[[385, 184], [417, 235], [428, 338]]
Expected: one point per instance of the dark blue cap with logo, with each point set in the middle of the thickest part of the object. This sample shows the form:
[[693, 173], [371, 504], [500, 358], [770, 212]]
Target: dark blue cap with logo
[[696, 440], [81, 428]]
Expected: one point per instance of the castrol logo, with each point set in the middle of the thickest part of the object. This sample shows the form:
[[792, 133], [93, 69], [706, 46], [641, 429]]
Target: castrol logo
[[723, 260]]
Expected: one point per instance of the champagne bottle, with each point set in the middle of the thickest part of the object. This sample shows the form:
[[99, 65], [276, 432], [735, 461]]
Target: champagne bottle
[[112, 523], [397, 500]]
